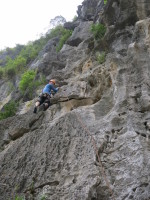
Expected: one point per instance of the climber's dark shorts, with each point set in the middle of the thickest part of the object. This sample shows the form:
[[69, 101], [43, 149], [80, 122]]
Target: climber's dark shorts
[[44, 98]]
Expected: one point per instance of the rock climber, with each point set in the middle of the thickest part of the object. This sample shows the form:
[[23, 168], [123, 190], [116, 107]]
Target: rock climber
[[44, 98]]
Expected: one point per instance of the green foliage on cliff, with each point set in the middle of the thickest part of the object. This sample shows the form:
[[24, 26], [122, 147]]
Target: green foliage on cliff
[[98, 31], [1, 72], [60, 32], [27, 80], [27, 53], [101, 57], [43, 198], [13, 67], [19, 198], [105, 1], [9, 110], [28, 83], [66, 34]]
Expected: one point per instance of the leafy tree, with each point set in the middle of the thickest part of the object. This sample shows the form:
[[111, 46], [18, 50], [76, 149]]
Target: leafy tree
[[28, 83], [9, 69], [14, 66], [22, 55], [29, 52], [55, 32], [27, 80], [19, 63], [10, 72]]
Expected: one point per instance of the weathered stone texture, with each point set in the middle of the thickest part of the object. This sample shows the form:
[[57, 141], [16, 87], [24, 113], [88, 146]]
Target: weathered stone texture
[[51, 154]]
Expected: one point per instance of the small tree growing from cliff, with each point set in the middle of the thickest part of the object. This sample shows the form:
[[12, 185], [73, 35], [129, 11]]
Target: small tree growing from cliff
[[98, 31], [28, 83], [9, 110], [27, 80], [105, 1], [63, 39]]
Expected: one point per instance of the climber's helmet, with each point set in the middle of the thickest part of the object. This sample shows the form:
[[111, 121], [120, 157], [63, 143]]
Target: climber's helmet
[[52, 81]]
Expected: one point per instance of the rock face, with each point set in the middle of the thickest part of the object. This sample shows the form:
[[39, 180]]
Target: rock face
[[51, 155]]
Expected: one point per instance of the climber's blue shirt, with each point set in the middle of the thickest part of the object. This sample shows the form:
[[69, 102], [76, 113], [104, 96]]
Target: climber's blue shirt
[[47, 89]]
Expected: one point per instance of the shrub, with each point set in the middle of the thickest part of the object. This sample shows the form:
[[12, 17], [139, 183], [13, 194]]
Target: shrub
[[22, 55], [27, 80], [10, 72], [101, 57], [19, 198], [105, 1], [98, 31], [64, 37], [9, 110], [9, 68], [30, 51], [28, 83], [56, 32], [43, 197], [1, 72], [19, 63]]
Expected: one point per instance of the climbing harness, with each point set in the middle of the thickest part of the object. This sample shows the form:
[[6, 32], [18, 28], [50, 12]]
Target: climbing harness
[[95, 149]]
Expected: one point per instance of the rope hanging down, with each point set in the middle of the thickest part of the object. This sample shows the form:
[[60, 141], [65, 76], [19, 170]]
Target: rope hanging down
[[95, 149]]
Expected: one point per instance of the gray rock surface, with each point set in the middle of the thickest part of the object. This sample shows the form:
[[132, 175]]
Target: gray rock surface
[[51, 155], [86, 11]]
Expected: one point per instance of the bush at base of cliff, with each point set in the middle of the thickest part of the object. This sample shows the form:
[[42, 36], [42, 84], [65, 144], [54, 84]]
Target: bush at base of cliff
[[9, 110]]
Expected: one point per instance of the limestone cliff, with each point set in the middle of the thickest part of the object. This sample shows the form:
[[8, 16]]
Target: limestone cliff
[[51, 155]]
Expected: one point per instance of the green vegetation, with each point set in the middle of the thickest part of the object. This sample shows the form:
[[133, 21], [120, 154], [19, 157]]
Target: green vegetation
[[62, 33], [1, 61], [64, 37], [9, 110], [101, 57], [98, 31], [105, 1], [1, 72], [43, 197], [19, 198], [20, 56], [28, 82], [13, 67], [74, 18]]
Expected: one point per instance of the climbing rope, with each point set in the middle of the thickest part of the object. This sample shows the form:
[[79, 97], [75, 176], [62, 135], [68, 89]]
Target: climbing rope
[[95, 149]]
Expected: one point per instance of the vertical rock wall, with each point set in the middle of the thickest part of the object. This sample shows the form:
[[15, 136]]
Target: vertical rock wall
[[50, 155]]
